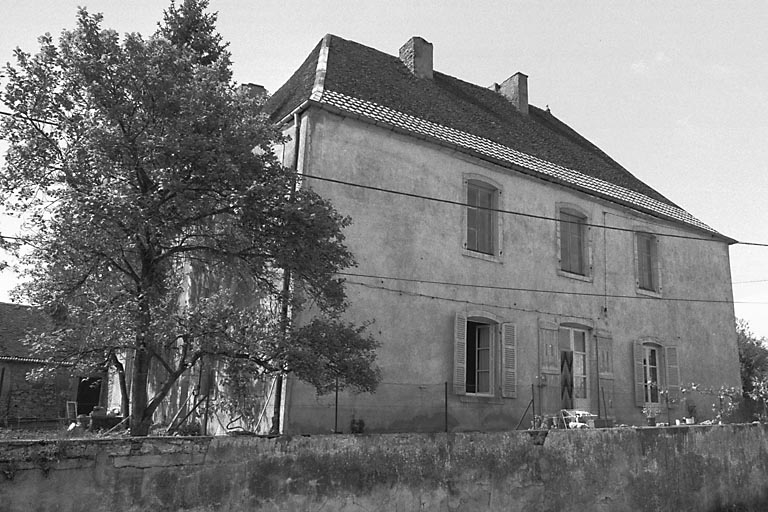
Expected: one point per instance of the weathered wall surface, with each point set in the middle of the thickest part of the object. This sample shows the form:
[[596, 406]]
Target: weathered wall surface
[[680, 468], [417, 246]]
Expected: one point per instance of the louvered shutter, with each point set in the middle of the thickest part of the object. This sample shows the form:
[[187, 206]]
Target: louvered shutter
[[657, 262], [673, 372], [636, 258], [639, 374], [460, 354], [549, 352], [509, 360]]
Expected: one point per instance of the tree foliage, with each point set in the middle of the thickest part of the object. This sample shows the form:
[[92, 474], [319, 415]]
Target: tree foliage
[[753, 357], [158, 230]]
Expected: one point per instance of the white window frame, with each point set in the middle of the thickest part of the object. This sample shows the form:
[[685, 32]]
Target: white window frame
[[502, 355], [496, 222], [655, 263], [586, 246], [668, 371]]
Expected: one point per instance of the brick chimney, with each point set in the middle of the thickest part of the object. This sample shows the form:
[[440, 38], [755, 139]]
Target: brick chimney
[[253, 90], [416, 54], [515, 89]]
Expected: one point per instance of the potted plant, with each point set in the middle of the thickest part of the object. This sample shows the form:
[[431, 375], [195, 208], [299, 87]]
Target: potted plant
[[650, 411]]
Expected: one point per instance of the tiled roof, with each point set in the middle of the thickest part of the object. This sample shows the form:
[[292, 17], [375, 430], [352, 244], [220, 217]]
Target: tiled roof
[[353, 79], [16, 322]]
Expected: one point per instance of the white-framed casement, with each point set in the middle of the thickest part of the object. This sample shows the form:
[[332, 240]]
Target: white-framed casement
[[482, 225], [484, 355], [647, 262], [657, 371], [573, 242]]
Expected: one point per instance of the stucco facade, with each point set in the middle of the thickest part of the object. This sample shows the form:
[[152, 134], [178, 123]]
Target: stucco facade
[[556, 339]]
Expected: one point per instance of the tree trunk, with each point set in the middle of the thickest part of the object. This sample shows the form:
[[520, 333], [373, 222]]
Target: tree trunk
[[142, 358], [139, 397]]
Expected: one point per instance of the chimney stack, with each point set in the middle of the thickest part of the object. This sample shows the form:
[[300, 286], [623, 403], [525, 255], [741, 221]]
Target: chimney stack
[[416, 54], [515, 89], [253, 90]]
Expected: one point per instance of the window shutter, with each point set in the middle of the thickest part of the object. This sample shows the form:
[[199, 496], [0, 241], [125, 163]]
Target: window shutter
[[639, 374], [460, 354], [673, 372], [559, 240], [509, 364], [605, 355], [549, 351], [636, 257], [657, 262]]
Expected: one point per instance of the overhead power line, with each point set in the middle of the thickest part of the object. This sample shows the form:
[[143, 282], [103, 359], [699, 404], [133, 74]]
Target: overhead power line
[[457, 203], [539, 290], [510, 212]]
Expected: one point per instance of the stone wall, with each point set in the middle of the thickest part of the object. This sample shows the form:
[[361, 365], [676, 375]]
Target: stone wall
[[21, 398], [678, 468]]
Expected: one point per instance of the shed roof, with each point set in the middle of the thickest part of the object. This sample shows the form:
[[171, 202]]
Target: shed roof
[[16, 321]]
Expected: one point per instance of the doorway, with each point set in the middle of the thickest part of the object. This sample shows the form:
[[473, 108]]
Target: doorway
[[88, 394], [573, 368]]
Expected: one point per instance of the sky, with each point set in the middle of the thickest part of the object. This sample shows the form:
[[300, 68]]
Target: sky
[[676, 92]]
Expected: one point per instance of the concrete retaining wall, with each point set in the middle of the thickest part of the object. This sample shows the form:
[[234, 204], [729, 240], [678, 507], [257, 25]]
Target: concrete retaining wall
[[679, 468]]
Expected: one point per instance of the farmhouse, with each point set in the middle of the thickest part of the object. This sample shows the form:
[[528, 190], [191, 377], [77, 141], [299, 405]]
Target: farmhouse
[[510, 266]]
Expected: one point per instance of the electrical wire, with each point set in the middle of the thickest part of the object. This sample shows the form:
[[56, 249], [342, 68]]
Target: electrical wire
[[532, 290], [513, 212]]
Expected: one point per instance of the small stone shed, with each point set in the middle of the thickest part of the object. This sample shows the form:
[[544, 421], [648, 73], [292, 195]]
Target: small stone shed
[[23, 401]]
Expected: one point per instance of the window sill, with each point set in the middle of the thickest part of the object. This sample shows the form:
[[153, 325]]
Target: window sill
[[481, 256], [648, 293], [571, 275], [480, 399]]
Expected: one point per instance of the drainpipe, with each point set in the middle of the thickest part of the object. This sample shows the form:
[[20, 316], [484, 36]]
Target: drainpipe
[[276, 428]]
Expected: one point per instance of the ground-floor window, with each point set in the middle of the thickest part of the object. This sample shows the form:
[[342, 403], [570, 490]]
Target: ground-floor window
[[485, 356], [478, 358], [650, 374], [657, 372]]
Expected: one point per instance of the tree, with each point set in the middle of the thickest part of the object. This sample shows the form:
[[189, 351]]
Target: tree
[[163, 226], [753, 356]]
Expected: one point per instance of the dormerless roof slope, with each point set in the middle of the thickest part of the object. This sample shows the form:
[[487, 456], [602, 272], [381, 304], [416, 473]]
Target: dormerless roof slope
[[16, 322], [352, 79]]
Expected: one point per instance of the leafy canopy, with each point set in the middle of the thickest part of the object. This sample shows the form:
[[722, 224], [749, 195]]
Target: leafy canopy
[[161, 224]]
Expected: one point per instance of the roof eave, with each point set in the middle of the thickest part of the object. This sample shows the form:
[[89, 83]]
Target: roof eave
[[529, 172]]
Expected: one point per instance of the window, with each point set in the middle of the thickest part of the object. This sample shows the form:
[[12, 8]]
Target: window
[[481, 219], [650, 375], [647, 264], [478, 358], [657, 372], [572, 240], [573, 368], [478, 345]]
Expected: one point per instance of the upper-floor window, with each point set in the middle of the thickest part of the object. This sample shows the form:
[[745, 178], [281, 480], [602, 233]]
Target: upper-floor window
[[647, 258], [481, 224], [574, 253]]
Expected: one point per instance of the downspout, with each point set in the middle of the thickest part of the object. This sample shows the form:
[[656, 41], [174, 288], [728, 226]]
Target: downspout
[[284, 312]]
